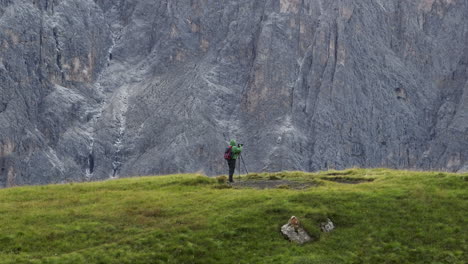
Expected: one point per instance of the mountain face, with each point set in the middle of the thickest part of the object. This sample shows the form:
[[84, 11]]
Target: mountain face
[[91, 90]]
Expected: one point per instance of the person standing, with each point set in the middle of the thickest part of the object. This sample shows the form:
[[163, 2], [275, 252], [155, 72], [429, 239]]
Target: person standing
[[231, 155]]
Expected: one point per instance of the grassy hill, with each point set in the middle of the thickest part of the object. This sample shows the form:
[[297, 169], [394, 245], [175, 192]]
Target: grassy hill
[[385, 216]]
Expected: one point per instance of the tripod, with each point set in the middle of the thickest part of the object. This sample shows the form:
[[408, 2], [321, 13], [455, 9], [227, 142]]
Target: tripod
[[241, 159]]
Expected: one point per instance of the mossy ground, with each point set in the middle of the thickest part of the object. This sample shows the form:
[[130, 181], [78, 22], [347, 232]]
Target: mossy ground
[[399, 217]]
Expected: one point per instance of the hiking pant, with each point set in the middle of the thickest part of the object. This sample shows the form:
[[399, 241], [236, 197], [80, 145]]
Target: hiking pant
[[232, 168]]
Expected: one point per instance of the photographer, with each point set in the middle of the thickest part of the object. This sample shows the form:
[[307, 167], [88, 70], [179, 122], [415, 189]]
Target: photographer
[[231, 154]]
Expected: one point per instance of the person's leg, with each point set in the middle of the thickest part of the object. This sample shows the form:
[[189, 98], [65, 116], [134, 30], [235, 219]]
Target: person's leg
[[229, 165], [232, 168]]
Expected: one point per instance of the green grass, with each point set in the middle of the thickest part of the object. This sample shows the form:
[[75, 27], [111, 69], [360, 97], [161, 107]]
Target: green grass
[[399, 217]]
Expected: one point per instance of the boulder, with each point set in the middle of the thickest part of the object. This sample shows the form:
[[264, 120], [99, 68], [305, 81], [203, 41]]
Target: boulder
[[294, 232]]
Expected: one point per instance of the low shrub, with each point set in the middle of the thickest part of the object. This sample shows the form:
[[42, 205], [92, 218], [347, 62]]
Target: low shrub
[[222, 179]]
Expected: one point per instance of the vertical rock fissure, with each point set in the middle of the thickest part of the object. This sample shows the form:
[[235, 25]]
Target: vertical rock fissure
[[91, 163], [99, 109], [41, 32], [335, 54], [121, 123], [301, 83], [255, 41], [59, 53], [90, 167]]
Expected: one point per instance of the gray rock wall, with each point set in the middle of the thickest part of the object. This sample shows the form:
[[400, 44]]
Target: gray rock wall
[[96, 89]]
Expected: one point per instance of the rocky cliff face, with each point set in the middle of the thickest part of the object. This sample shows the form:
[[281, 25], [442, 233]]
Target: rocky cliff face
[[96, 89]]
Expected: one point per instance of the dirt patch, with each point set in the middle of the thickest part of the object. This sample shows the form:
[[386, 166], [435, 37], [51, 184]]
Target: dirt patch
[[340, 173], [272, 184], [347, 180]]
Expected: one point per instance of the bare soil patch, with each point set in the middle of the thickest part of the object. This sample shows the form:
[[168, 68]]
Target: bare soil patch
[[347, 180], [272, 184]]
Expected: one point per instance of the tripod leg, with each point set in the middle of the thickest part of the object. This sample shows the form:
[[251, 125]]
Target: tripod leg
[[245, 167], [238, 168]]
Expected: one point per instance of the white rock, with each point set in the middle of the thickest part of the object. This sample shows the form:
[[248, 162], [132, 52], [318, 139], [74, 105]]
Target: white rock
[[294, 232], [327, 226]]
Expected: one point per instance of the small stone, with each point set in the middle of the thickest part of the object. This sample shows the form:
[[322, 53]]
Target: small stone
[[294, 232], [327, 226]]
